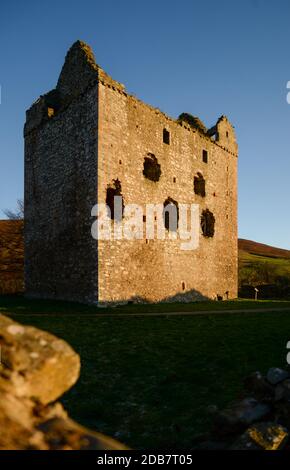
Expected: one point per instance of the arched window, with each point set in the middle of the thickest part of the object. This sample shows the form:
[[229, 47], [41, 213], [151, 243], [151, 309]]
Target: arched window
[[166, 136], [199, 185], [170, 214]]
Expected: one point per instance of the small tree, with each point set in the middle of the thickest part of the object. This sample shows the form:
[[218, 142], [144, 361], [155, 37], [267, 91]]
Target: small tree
[[18, 213]]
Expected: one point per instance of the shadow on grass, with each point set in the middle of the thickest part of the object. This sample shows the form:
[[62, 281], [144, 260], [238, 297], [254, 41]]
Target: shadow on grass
[[149, 381], [19, 304]]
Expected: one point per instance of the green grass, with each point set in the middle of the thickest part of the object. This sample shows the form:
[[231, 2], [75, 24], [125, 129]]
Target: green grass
[[257, 269], [18, 304], [148, 381], [248, 259]]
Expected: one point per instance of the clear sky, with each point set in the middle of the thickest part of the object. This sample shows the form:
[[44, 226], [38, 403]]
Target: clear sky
[[203, 57]]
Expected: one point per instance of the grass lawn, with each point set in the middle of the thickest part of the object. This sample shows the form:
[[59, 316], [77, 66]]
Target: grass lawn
[[148, 380], [248, 259], [258, 269], [19, 304]]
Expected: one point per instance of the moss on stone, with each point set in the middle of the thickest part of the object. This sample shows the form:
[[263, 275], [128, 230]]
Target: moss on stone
[[193, 121]]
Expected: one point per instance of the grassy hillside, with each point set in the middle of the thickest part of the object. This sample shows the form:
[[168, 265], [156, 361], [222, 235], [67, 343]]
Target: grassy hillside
[[11, 256], [256, 248], [265, 267]]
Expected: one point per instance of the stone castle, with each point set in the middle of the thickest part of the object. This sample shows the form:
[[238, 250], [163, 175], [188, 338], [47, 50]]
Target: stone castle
[[87, 141]]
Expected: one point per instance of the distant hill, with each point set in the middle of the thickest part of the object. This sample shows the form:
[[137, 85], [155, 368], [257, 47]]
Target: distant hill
[[265, 267], [260, 249], [11, 256]]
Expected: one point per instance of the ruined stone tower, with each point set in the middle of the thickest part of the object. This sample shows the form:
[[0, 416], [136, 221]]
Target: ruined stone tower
[[88, 140]]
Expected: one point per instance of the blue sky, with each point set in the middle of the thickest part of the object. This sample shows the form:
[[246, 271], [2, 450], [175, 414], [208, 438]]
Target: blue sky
[[206, 58]]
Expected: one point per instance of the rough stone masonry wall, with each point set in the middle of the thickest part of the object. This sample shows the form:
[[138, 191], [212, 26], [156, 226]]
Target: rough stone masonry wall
[[258, 420], [36, 368], [158, 270], [60, 189]]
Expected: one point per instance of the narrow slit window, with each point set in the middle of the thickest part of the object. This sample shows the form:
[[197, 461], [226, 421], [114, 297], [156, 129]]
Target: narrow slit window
[[207, 223], [204, 156], [166, 136]]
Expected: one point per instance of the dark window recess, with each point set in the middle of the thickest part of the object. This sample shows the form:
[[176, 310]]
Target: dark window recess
[[115, 190], [204, 156], [151, 169], [144, 218], [227, 134], [183, 286], [166, 136], [53, 102], [170, 214], [207, 223], [120, 162], [199, 185]]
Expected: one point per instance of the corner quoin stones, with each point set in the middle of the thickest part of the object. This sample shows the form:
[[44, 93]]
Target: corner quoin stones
[[81, 137]]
